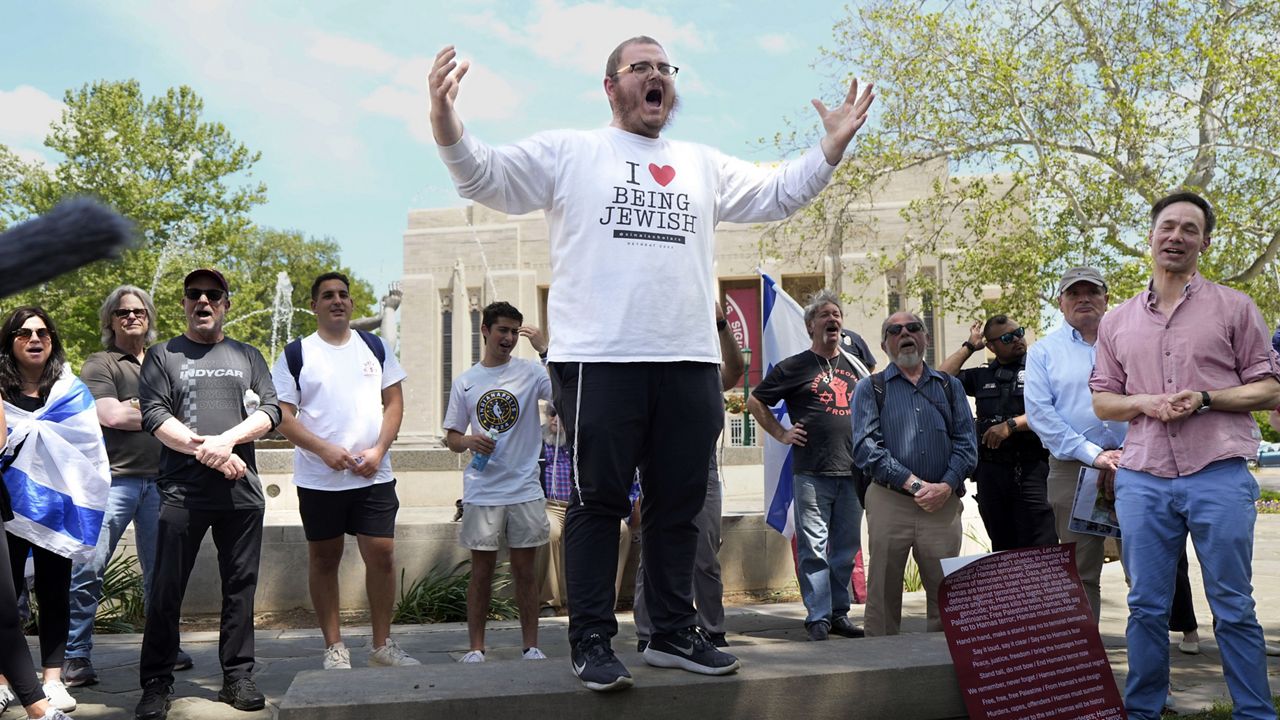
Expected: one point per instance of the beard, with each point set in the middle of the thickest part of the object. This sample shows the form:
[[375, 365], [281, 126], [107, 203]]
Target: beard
[[908, 359], [556, 439], [629, 106]]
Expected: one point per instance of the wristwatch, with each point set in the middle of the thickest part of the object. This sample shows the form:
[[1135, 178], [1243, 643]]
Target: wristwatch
[[915, 486], [1204, 402], [1013, 424], [972, 348]]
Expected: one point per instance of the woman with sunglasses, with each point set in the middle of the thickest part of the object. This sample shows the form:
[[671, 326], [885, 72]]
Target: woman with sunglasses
[[55, 488]]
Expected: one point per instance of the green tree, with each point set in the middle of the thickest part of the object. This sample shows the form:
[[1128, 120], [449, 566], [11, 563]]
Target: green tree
[[1068, 118], [188, 187]]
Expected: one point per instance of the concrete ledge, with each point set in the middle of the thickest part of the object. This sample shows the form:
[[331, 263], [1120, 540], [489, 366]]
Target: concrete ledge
[[753, 558], [908, 677]]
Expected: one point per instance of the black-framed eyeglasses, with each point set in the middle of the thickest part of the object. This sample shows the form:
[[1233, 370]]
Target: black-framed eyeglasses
[[644, 69], [896, 328], [214, 294], [123, 313], [1010, 336], [24, 334]]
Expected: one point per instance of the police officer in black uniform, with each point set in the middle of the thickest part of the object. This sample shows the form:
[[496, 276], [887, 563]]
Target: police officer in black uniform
[[1012, 464]]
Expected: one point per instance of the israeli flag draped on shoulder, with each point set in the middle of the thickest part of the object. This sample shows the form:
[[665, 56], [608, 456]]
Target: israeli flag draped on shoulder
[[784, 335], [59, 481]]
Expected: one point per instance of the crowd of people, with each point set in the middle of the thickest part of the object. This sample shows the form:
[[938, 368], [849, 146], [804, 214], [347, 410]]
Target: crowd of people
[[1154, 393]]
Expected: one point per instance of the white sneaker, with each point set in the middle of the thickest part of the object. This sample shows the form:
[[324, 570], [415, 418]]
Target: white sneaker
[[475, 656], [533, 653], [390, 655], [337, 657], [7, 697], [58, 696]]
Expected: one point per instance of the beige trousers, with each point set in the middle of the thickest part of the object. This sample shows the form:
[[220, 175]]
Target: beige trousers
[[896, 526]]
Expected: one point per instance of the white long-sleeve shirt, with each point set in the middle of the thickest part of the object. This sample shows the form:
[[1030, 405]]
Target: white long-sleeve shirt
[[632, 231]]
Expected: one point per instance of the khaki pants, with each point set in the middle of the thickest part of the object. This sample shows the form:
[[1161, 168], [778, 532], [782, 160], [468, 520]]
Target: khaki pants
[[1063, 478], [897, 526], [549, 564]]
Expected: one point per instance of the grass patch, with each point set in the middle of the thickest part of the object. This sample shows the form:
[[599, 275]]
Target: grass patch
[[441, 596], [1269, 502], [1220, 711]]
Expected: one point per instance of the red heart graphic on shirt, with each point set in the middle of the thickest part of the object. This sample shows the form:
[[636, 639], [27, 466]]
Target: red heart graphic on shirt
[[663, 175]]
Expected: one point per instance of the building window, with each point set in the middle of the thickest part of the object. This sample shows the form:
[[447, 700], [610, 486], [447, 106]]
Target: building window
[[475, 336], [802, 288], [446, 359], [926, 315]]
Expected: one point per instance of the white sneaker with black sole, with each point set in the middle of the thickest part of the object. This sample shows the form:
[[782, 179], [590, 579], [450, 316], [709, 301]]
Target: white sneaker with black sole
[[689, 649], [58, 696], [597, 667]]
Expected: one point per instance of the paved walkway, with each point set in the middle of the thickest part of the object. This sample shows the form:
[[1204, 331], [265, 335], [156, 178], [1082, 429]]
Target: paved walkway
[[1197, 680]]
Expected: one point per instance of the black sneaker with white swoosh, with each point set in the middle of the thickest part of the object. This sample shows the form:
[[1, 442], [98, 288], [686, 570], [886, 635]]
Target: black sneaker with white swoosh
[[689, 649], [597, 667]]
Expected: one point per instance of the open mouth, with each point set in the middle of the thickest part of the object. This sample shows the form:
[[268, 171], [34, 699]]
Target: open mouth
[[832, 327], [204, 313], [907, 344], [653, 98]]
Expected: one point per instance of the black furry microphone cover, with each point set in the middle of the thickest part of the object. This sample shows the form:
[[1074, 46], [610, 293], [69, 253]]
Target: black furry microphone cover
[[74, 233]]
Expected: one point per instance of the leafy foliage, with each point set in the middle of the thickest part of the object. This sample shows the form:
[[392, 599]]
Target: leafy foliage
[[1069, 118], [120, 609], [188, 187], [441, 596]]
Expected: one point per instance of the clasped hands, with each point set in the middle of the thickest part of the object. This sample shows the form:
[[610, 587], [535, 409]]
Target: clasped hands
[[1172, 407], [216, 452]]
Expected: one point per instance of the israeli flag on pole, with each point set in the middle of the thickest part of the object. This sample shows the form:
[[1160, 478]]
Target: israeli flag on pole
[[784, 336]]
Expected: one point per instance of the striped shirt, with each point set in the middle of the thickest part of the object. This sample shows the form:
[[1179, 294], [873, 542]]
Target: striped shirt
[[916, 434]]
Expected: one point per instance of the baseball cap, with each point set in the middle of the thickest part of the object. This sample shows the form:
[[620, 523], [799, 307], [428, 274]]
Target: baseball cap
[[207, 272], [1081, 274]]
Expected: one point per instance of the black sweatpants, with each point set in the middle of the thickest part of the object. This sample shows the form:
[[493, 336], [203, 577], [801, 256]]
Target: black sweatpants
[[15, 658], [53, 591], [237, 535], [1013, 499], [662, 418]]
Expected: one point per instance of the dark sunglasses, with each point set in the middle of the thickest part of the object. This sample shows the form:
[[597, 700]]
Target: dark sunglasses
[[896, 328], [26, 333], [214, 294], [126, 312], [1010, 336]]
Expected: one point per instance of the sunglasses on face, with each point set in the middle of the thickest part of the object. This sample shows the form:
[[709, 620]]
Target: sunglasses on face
[[1010, 336], [123, 313], [24, 334], [896, 328], [214, 294]]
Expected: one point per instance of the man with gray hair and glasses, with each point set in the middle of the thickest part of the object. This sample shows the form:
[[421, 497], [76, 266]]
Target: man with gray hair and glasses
[[817, 386], [913, 436], [126, 319]]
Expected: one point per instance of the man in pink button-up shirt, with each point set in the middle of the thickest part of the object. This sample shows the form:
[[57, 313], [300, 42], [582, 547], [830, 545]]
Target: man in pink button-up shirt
[[1184, 362]]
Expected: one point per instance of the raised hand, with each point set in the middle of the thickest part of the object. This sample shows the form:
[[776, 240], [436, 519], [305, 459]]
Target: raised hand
[[442, 83], [843, 121]]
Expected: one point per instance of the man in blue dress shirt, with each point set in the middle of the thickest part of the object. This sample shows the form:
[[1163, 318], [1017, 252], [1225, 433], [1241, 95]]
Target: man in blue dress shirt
[[1060, 411], [914, 437]]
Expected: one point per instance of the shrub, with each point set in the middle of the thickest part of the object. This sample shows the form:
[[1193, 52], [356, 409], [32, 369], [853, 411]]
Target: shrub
[[441, 596]]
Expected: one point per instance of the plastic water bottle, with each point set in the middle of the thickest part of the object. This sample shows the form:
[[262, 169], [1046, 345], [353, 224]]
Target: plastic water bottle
[[479, 461]]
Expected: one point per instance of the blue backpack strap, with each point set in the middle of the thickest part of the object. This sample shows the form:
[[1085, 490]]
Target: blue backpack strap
[[375, 346], [293, 358]]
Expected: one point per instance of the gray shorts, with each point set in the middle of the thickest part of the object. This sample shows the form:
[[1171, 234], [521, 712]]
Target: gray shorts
[[524, 525]]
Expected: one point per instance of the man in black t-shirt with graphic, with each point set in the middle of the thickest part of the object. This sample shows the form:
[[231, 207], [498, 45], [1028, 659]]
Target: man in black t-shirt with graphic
[[817, 386], [206, 397]]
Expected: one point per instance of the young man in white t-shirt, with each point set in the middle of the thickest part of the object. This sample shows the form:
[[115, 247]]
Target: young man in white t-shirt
[[497, 400], [342, 409]]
